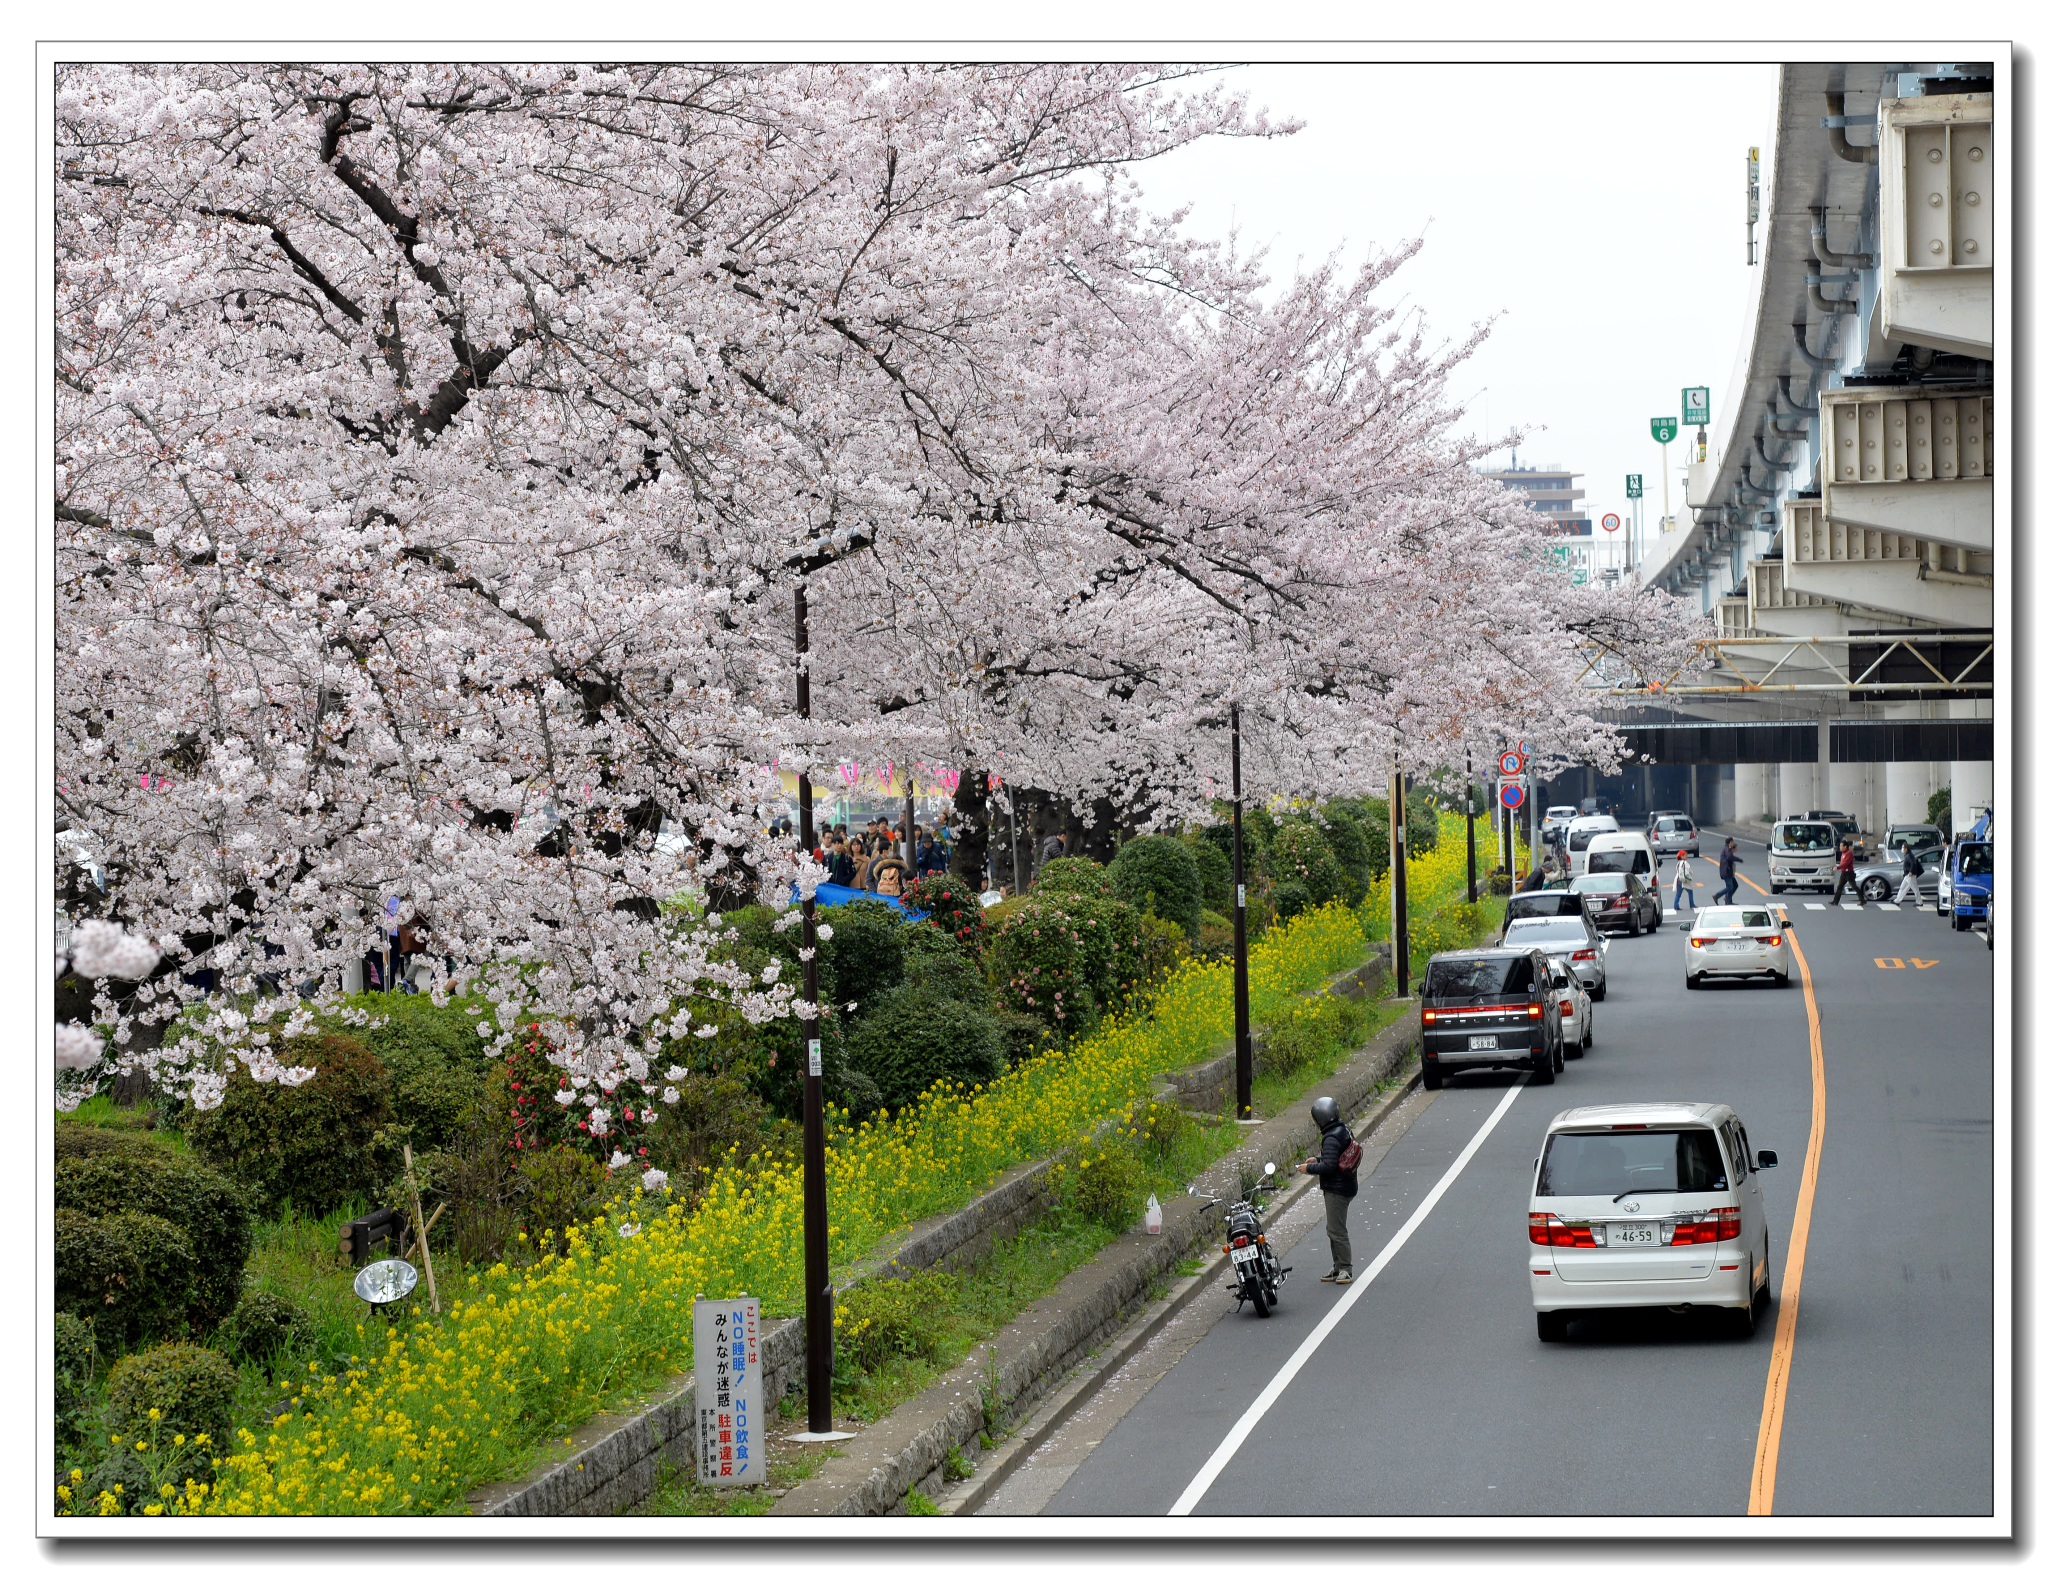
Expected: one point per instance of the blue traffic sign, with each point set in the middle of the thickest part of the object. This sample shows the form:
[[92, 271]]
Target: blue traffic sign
[[1511, 795]]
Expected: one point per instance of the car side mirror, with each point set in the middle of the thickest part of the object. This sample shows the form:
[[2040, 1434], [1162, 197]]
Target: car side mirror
[[1767, 1159], [1685, 926]]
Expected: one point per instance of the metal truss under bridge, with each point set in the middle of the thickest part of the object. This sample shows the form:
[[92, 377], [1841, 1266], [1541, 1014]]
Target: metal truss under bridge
[[1897, 665]]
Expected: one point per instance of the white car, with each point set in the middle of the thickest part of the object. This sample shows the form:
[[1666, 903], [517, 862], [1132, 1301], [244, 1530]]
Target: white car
[[1578, 833], [1645, 1205], [1675, 835], [1738, 940], [1574, 1008]]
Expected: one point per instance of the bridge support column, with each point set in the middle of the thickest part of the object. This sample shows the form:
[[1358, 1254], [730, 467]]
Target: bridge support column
[[1799, 788], [1969, 783], [1752, 792]]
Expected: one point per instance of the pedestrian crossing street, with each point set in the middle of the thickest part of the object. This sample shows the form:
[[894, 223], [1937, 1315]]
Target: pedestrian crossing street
[[1822, 904]]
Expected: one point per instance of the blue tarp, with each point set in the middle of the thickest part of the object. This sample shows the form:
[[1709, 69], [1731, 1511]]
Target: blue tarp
[[841, 894]]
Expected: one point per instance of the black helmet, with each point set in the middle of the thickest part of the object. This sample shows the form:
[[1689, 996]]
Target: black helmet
[[1324, 1112]]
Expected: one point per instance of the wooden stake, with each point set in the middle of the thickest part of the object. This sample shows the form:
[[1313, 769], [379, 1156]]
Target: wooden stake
[[426, 1255]]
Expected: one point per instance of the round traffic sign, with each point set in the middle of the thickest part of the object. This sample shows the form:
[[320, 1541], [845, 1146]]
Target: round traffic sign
[[1610, 522], [1511, 795], [1510, 763]]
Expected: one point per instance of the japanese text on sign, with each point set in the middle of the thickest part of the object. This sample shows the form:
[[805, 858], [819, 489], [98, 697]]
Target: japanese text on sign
[[730, 1449]]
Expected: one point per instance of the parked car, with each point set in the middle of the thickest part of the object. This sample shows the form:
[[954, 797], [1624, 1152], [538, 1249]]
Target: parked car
[[1619, 902], [1924, 839], [1738, 940], [1579, 833], [1627, 852], [1596, 806], [1490, 1008], [1555, 820], [1574, 1009], [1571, 941], [1648, 1204], [1544, 902], [1674, 833], [1802, 854]]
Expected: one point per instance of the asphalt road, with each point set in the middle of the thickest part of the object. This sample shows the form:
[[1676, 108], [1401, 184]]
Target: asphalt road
[[1434, 1396]]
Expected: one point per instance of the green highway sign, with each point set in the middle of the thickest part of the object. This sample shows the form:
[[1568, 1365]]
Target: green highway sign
[[1663, 429], [1695, 401], [1635, 485]]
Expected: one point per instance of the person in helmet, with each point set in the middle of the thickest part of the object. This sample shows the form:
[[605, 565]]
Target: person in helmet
[[1339, 1185]]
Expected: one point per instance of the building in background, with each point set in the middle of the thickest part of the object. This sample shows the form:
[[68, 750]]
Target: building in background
[[1553, 493]]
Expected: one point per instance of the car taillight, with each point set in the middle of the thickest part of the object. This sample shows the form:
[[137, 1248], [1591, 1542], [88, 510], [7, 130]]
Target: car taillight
[[1240, 1241], [1546, 1228], [1565, 1008], [1772, 941], [1587, 953], [1697, 942], [1535, 1011], [1429, 1016], [1723, 1222]]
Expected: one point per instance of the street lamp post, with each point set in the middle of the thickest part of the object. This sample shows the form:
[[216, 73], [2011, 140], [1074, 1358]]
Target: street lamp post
[[817, 1260], [1471, 847], [1240, 969], [1397, 830]]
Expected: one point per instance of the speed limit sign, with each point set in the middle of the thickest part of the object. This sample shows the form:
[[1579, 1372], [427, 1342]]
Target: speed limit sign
[[1510, 763]]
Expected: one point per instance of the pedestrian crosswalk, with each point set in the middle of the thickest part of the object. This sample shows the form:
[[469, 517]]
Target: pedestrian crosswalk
[[1820, 904]]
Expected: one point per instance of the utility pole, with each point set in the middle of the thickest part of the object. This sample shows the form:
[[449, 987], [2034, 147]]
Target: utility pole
[[1241, 970], [817, 1260], [1471, 847], [1397, 828]]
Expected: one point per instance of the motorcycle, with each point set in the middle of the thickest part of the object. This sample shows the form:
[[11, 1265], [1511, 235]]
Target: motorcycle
[[1258, 1269]]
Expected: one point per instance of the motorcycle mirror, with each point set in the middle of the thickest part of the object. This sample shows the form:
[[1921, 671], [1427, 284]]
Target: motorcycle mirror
[[1191, 1189], [1269, 1170]]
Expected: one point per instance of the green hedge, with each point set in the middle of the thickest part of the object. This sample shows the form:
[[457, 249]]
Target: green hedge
[[130, 1274], [1162, 875], [916, 1036]]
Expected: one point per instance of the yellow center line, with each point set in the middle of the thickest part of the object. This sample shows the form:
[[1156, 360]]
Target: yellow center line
[[1763, 1475]]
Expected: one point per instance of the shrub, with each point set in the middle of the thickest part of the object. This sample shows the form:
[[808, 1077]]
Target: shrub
[[915, 1037], [1422, 826], [1302, 856], [1037, 966], [1290, 900], [1213, 862], [887, 1318], [1104, 1185], [936, 959], [434, 1059], [1357, 831], [1160, 874], [1073, 874], [1940, 808], [1500, 881], [952, 906], [1110, 960], [128, 1273], [103, 1172], [1162, 946], [557, 1187], [1024, 1035], [864, 956], [314, 1145], [77, 1358], [192, 1390], [1291, 1046], [714, 1121], [1218, 937], [263, 1326]]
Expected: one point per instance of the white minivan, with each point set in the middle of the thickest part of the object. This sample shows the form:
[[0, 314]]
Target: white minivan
[[1626, 852], [1648, 1204], [1578, 833]]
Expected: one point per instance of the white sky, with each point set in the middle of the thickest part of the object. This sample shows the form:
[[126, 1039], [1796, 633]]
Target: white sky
[[1598, 210]]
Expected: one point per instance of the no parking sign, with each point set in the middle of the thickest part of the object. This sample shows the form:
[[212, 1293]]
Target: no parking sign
[[1511, 795]]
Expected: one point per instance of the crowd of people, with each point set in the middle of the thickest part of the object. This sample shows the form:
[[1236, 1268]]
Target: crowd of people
[[879, 860]]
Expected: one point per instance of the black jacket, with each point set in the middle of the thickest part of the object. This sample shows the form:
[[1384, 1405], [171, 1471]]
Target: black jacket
[[1335, 1180], [1913, 868], [1729, 861]]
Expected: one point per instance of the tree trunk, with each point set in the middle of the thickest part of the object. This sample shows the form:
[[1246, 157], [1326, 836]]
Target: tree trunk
[[970, 836]]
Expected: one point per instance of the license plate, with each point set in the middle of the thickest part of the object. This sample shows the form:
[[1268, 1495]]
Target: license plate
[[1483, 1044], [1731, 945], [1246, 1253], [1631, 1234]]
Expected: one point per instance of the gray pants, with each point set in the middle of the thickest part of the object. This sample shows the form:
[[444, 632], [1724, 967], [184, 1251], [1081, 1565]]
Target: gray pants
[[1335, 1207]]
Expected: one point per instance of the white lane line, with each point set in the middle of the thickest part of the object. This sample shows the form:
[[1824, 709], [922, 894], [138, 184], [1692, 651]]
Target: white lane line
[[1847, 906], [1239, 1433], [1884, 904]]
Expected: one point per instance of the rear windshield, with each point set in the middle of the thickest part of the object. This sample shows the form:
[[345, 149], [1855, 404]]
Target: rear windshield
[[1804, 836], [1917, 838], [1719, 919], [1639, 1161], [1618, 861], [1485, 977], [1675, 825], [1557, 902], [1542, 933], [1975, 861], [1602, 883]]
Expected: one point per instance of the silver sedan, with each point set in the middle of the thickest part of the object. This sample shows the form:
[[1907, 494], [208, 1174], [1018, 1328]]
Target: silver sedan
[[1570, 941]]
